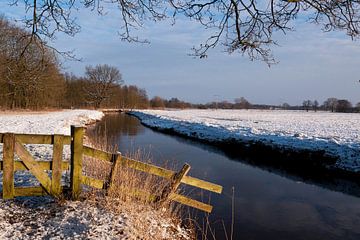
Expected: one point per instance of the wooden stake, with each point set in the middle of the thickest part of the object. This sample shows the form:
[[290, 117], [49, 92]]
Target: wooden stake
[[77, 134], [174, 184], [113, 172], [8, 158], [57, 165]]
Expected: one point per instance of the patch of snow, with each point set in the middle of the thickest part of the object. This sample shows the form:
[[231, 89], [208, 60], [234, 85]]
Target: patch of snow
[[47, 123], [338, 134]]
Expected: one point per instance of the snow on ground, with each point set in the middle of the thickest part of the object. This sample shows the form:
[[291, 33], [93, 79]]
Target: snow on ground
[[37, 218], [47, 122], [45, 218], [338, 134], [43, 123]]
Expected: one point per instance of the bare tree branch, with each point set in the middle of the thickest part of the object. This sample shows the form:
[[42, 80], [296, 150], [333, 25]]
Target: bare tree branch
[[244, 26]]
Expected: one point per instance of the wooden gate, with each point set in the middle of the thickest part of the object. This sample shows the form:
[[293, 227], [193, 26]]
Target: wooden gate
[[13, 145]]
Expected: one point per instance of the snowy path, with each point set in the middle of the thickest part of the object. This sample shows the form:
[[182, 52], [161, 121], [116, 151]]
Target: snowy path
[[336, 133]]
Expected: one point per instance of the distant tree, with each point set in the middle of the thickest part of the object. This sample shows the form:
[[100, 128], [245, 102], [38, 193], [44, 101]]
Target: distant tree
[[100, 80], [75, 96], [157, 102], [285, 106], [330, 104], [225, 105], [307, 104], [176, 103], [358, 107], [315, 105], [135, 97], [343, 105], [242, 103]]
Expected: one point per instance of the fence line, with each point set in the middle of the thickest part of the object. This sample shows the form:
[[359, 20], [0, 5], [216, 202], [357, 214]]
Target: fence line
[[13, 143]]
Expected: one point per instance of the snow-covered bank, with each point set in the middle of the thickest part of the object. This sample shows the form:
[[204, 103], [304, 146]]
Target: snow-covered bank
[[337, 134], [46, 122], [37, 218]]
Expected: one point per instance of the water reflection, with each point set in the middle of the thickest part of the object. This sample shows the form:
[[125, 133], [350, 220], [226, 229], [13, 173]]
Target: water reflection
[[113, 126], [267, 205]]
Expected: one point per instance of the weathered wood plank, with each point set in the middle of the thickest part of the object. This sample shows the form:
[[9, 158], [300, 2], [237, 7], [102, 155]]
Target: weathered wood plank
[[40, 139], [92, 182], [29, 191], [56, 165], [98, 154], [8, 162], [77, 134], [195, 182], [113, 171], [155, 170], [190, 202], [43, 165], [145, 167], [174, 183], [165, 173], [33, 166]]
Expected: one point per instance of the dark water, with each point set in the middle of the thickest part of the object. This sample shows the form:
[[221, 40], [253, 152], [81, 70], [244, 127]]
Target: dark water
[[267, 206]]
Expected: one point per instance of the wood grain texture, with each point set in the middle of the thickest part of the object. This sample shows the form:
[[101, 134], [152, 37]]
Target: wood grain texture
[[57, 165], [77, 134], [8, 164], [33, 167]]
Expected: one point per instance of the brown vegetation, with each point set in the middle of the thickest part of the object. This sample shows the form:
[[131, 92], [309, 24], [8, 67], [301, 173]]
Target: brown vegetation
[[122, 196], [30, 78]]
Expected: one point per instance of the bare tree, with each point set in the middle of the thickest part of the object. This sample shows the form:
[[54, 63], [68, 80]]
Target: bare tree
[[27, 75], [157, 102], [343, 105], [315, 105], [244, 26], [330, 104], [285, 106], [242, 103], [307, 104], [100, 80]]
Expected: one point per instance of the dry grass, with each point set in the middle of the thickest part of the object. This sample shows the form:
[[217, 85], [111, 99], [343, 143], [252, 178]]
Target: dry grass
[[135, 193]]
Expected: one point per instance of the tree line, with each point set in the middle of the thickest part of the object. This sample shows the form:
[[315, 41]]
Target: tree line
[[331, 104], [31, 78]]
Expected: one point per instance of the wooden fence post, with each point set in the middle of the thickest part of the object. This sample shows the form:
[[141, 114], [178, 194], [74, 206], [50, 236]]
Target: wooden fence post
[[57, 165], [8, 166], [174, 184], [77, 134], [116, 161]]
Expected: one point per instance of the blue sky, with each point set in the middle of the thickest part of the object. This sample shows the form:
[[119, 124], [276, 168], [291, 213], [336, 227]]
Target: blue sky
[[312, 65]]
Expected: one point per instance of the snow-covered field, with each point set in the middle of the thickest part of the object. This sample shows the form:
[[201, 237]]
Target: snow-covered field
[[338, 134], [47, 122]]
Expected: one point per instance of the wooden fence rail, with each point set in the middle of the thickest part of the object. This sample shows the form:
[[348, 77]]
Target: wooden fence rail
[[14, 144]]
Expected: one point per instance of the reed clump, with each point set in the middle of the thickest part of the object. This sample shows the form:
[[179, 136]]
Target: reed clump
[[136, 193]]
